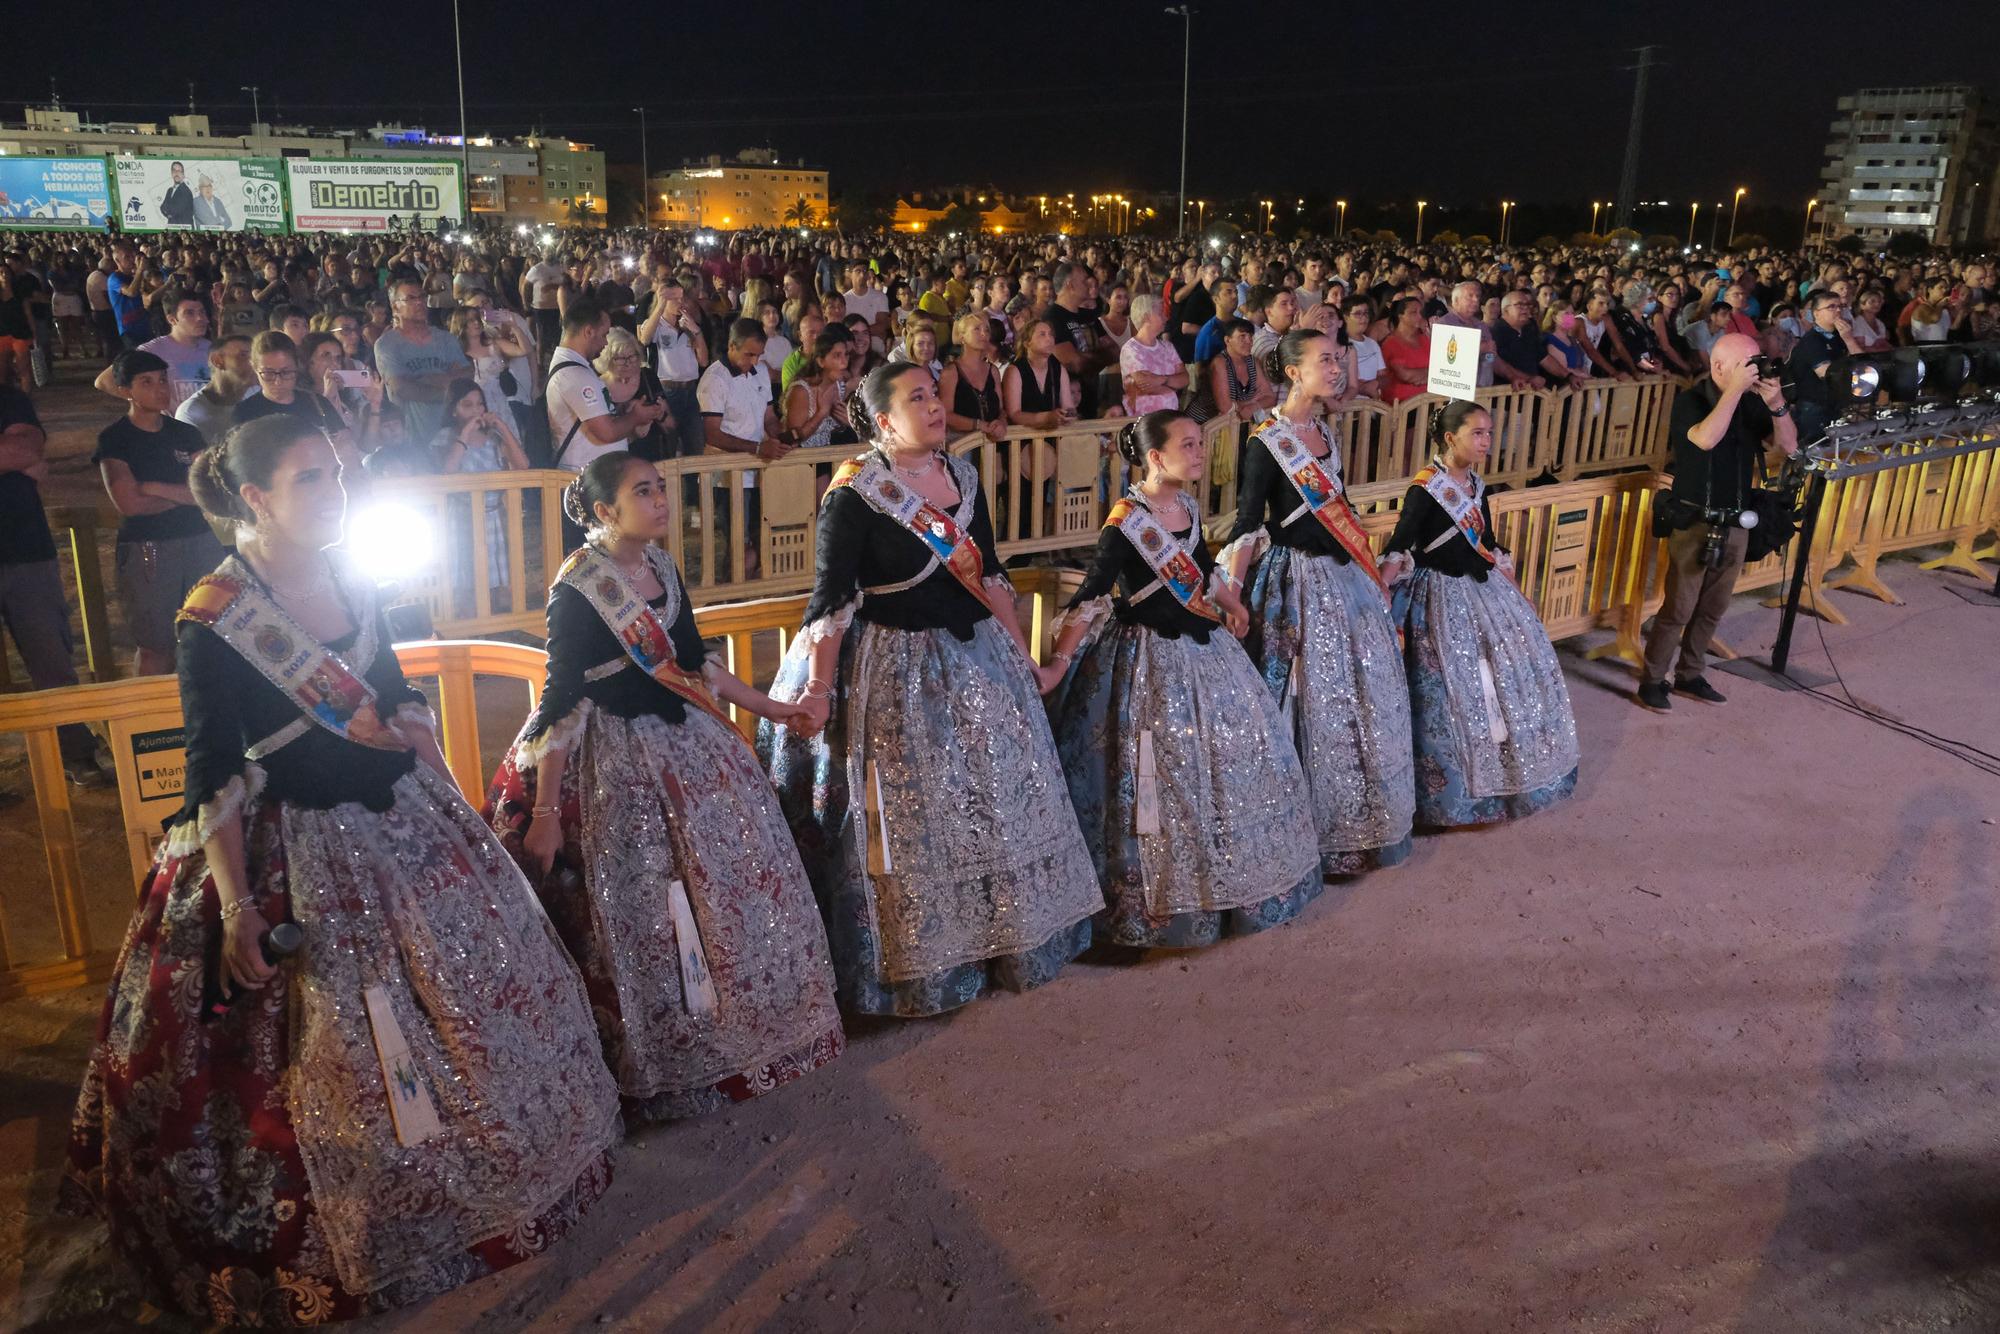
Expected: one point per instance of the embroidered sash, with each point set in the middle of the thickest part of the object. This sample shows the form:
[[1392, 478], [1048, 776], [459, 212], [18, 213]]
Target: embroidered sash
[[636, 626], [949, 543], [1318, 485], [1461, 503], [1164, 554], [329, 692]]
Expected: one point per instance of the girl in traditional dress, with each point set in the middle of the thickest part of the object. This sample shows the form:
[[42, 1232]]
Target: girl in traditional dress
[[1319, 619], [417, 1098], [924, 786], [1495, 738], [1180, 767], [645, 818]]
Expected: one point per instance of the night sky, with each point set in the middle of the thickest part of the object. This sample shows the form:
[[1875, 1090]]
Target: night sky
[[1461, 102]]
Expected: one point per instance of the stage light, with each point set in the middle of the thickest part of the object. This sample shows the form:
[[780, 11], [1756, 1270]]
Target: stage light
[[391, 541], [521, 229], [1945, 368], [1905, 379]]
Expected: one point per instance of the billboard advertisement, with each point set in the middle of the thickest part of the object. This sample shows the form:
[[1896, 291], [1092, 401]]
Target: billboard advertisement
[[51, 192], [203, 194], [354, 195]]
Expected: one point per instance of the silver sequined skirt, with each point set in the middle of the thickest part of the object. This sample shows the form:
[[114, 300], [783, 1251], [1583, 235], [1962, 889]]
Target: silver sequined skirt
[[1325, 647], [977, 855], [1232, 826], [1492, 712]]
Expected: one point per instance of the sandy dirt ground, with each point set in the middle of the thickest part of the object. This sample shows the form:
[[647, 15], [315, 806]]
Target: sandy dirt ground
[[1710, 1048]]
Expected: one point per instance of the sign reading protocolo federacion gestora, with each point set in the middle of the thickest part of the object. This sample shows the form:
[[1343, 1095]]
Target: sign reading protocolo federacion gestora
[[353, 195], [1454, 370]]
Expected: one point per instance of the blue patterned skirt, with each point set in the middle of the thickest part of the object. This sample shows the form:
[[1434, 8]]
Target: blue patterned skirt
[[1235, 850], [1490, 714], [973, 871], [1323, 643]]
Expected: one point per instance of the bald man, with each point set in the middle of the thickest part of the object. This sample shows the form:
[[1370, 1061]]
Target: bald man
[[1720, 429]]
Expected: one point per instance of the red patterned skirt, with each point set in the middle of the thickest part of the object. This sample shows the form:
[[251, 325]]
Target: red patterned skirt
[[187, 1135]]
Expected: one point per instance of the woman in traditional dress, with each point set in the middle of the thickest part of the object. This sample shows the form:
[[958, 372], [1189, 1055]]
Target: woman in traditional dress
[[1180, 768], [1495, 738], [1319, 619], [924, 786], [418, 1097], [645, 818]]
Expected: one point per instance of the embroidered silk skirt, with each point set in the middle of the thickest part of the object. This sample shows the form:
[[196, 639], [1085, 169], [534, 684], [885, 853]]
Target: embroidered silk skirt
[[1323, 642], [250, 1166], [680, 895], [972, 871], [1495, 738], [1230, 846]]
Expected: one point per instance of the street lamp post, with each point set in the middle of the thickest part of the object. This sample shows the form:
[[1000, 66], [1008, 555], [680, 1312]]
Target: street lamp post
[[1506, 207], [1270, 214], [256, 113], [1420, 221], [1805, 237], [1200, 210], [1714, 221], [1594, 206], [1693, 209], [464, 142], [1187, 57], [1341, 204], [1735, 204], [645, 174]]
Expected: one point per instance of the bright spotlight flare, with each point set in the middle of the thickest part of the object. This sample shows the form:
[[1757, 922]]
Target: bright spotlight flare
[[391, 542]]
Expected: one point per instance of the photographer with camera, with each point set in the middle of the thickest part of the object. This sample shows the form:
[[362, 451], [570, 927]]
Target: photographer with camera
[[1828, 337], [1719, 431]]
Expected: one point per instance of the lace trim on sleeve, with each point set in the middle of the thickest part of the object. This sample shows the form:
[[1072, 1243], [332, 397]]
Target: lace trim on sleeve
[[557, 736], [1256, 543], [1090, 615], [414, 714], [833, 623], [189, 834]]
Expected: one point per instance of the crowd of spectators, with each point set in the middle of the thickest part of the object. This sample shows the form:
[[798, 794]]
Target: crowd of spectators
[[423, 354]]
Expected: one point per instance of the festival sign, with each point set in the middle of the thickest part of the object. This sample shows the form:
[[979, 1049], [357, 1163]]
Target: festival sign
[[1454, 362], [70, 193], [203, 194], [360, 195]]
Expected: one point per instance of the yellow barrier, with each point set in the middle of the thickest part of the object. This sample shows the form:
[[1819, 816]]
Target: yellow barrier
[[1046, 490]]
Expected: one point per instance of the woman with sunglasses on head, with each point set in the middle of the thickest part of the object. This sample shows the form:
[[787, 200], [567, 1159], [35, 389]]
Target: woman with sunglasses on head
[[1319, 617], [639, 810], [923, 784], [1489, 712], [1180, 767], [413, 1096]]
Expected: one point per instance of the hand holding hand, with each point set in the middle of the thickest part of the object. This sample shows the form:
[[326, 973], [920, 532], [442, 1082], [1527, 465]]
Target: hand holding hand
[[810, 714]]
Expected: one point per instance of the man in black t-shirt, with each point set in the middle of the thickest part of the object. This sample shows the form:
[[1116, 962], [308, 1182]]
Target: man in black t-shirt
[[1076, 333], [164, 543], [1718, 431], [31, 591]]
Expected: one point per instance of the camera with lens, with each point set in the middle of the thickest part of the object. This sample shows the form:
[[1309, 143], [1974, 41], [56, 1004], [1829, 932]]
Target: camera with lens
[[1768, 367]]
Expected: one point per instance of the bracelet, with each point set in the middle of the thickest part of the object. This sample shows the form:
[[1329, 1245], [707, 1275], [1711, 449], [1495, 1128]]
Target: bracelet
[[537, 812], [1785, 411], [230, 910], [825, 691]]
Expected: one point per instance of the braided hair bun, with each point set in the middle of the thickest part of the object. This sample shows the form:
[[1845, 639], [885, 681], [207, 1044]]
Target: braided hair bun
[[597, 484], [1142, 435]]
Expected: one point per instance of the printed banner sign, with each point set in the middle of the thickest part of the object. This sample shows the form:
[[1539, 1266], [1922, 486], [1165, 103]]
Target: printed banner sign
[[356, 195], [72, 193], [1454, 362], [203, 194]]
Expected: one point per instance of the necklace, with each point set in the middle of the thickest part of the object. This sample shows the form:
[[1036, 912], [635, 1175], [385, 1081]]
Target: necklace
[[322, 580], [916, 474]]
